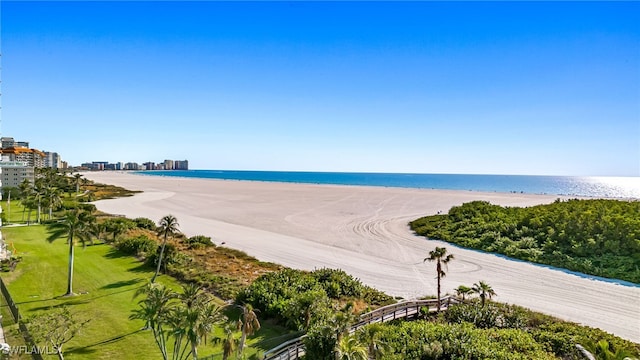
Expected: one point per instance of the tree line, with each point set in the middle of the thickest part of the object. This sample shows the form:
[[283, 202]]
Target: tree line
[[596, 237]]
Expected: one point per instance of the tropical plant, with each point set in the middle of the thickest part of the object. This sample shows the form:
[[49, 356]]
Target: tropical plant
[[117, 226], [185, 318], [155, 311], [248, 324], [168, 226], [77, 177], [53, 199], [229, 341], [371, 335], [602, 350], [350, 348], [193, 319], [440, 256], [74, 226], [484, 290], [462, 291]]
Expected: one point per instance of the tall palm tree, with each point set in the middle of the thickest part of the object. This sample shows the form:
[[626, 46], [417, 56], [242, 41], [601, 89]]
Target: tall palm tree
[[168, 227], [349, 348], [484, 290], [25, 188], [74, 226], [38, 194], [439, 255]]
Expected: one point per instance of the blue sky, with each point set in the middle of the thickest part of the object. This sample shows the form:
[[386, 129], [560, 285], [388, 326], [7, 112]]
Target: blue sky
[[542, 88]]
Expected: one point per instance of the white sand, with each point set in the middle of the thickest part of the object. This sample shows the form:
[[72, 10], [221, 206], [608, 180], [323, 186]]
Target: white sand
[[364, 231]]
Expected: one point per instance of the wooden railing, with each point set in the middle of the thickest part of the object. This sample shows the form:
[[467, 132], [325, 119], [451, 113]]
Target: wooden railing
[[407, 310]]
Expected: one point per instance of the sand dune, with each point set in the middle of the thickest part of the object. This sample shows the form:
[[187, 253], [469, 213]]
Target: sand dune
[[364, 231]]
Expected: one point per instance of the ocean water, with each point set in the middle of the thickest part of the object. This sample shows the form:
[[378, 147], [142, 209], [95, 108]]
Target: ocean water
[[610, 187]]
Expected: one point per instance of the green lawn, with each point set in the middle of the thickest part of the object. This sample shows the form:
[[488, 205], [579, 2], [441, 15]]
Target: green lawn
[[105, 281]]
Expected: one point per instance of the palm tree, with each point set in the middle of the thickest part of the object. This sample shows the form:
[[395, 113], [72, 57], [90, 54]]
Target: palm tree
[[229, 341], [439, 255], [75, 226], [341, 322], [248, 324], [38, 194], [371, 335], [349, 348], [52, 196], [484, 290], [25, 195], [168, 227], [77, 177], [155, 310], [463, 291], [196, 317]]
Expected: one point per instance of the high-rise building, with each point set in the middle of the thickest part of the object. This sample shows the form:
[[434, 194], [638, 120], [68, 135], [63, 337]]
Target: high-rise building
[[181, 165], [131, 166], [7, 142], [168, 164], [15, 173], [31, 157], [52, 160]]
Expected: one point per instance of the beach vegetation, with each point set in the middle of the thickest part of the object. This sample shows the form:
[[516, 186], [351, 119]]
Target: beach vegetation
[[596, 236], [199, 241]]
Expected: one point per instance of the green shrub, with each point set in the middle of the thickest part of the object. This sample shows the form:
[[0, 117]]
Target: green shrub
[[139, 246], [144, 223], [199, 241]]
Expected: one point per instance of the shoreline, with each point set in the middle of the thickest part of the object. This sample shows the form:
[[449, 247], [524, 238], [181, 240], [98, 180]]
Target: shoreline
[[364, 231], [172, 173]]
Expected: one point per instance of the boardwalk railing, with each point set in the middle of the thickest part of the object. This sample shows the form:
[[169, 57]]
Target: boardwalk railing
[[294, 349]]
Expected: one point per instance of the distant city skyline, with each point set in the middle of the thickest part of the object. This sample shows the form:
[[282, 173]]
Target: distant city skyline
[[523, 88]]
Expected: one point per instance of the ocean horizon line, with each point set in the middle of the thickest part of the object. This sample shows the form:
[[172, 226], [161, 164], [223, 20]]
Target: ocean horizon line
[[579, 186]]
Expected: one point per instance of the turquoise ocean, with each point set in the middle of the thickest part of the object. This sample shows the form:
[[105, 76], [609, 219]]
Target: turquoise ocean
[[610, 187]]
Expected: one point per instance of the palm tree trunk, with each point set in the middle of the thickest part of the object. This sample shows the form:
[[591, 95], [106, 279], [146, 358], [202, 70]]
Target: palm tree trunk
[[153, 279], [243, 338], [439, 269], [194, 350], [39, 210], [70, 278]]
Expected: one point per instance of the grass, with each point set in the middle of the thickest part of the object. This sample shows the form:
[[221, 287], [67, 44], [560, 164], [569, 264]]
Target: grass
[[105, 280]]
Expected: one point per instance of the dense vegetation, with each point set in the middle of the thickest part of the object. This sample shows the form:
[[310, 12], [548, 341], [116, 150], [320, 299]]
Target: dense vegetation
[[596, 237], [299, 299], [496, 331]]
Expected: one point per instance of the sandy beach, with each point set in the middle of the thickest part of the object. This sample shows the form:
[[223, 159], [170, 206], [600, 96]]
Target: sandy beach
[[364, 231]]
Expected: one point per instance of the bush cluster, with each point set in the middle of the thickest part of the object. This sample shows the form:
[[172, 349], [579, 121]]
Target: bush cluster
[[298, 298], [140, 246], [596, 237]]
